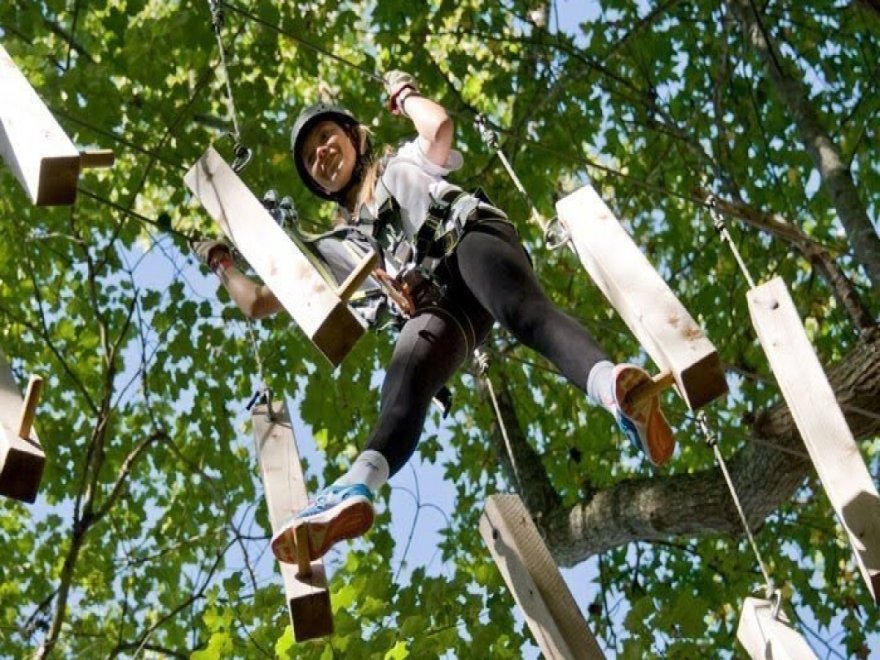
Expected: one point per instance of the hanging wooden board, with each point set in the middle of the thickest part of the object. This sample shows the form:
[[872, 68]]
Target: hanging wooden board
[[764, 636], [285, 490], [313, 302], [821, 423], [644, 301], [535, 582], [21, 458], [34, 146]]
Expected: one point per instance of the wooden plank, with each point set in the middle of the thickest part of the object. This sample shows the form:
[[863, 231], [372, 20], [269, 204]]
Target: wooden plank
[[313, 303], [644, 301], [285, 490], [35, 147], [357, 276], [821, 423], [534, 580], [767, 637], [29, 407], [22, 460], [96, 158]]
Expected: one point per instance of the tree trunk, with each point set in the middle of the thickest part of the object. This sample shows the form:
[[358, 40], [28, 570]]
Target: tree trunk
[[836, 178], [699, 504]]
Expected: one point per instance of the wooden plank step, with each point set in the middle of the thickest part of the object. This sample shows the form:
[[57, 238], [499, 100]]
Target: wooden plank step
[[644, 301], [22, 459], [764, 635], [535, 582], [316, 307], [285, 489], [33, 144], [821, 423]]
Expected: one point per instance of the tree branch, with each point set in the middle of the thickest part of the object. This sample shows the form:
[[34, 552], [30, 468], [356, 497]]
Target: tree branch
[[699, 504], [825, 154], [820, 255]]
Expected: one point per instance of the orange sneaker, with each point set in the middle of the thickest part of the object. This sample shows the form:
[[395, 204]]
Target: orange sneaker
[[642, 423]]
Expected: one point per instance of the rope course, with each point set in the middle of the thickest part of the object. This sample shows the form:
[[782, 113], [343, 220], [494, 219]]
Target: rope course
[[554, 234], [490, 135]]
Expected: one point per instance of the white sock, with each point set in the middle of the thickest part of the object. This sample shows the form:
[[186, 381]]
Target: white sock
[[370, 468], [599, 383]]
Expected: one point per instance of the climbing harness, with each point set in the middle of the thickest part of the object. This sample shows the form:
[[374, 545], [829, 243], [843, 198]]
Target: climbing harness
[[242, 154]]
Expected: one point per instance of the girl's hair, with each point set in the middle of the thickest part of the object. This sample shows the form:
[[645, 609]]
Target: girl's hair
[[372, 170]]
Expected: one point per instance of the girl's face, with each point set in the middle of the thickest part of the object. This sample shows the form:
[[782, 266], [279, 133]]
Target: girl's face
[[329, 156]]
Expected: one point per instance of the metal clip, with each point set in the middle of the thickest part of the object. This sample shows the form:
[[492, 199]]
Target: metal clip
[[488, 134], [776, 602], [708, 434], [262, 396], [217, 18], [243, 156], [481, 360], [556, 236]]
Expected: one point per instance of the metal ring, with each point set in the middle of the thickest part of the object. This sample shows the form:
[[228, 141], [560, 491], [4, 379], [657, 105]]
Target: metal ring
[[555, 236]]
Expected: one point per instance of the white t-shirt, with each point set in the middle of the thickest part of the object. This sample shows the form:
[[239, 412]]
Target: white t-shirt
[[412, 179]]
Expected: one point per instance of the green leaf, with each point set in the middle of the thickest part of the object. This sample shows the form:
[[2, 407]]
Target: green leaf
[[397, 652]]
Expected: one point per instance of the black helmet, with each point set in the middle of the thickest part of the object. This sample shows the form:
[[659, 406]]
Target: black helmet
[[307, 119]]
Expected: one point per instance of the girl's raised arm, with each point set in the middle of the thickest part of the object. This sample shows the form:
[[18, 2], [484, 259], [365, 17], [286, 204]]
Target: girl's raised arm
[[431, 120]]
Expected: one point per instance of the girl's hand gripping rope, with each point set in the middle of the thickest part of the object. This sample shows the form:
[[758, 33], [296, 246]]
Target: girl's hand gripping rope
[[400, 86], [215, 254]]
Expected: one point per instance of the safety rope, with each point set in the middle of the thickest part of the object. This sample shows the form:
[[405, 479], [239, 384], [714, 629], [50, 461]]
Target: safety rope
[[481, 363], [712, 440], [162, 226], [721, 228], [241, 152], [263, 393], [490, 137], [275, 28]]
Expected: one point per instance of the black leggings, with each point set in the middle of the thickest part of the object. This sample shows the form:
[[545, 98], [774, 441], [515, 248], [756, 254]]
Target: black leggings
[[488, 278]]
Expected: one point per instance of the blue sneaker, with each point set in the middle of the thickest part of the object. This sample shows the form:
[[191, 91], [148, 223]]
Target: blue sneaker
[[643, 424], [338, 513]]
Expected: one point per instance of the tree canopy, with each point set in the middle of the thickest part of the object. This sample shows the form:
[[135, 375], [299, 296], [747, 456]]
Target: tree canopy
[[150, 519]]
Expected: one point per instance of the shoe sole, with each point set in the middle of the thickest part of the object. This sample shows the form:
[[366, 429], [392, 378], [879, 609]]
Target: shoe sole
[[324, 530], [660, 440]]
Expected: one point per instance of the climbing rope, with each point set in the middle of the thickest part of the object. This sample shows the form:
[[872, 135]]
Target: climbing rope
[[158, 224], [481, 364], [263, 393], [275, 28], [721, 228], [554, 235], [242, 154], [490, 137], [712, 440]]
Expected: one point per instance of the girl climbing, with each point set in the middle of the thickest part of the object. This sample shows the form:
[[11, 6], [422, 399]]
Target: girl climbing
[[458, 265]]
